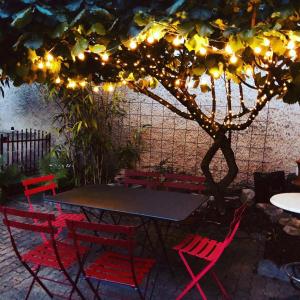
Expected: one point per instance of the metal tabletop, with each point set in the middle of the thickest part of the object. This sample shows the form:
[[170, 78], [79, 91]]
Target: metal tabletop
[[165, 205]]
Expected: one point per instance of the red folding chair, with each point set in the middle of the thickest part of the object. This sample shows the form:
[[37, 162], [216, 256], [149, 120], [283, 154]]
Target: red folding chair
[[51, 254], [208, 250], [111, 266], [145, 179], [42, 184], [193, 184]]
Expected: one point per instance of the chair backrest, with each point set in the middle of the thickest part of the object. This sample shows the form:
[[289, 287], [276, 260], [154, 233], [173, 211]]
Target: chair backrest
[[38, 185], [235, 223], [26, 220], [184, 182], [146, 179], [102, 234]]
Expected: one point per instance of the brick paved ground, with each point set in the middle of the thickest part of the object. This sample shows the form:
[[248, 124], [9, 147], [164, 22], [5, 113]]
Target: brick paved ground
[[237, 269]]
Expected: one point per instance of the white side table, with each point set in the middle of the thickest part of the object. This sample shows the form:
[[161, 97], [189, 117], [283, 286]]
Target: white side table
[[287, 201], [290, 202]]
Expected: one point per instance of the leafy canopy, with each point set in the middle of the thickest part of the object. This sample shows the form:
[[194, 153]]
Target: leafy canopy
[[73, 43]]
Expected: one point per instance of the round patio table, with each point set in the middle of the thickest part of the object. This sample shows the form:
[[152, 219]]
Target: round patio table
[[287, 201], [290, 202]]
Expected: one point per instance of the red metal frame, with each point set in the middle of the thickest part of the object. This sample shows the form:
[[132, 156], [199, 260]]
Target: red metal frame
[[208, 250], [184, 182], [50, 254], [145, 179], [111, 266], [45, 183]]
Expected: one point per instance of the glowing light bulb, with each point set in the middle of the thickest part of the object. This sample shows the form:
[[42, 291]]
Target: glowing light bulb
[[177, 41], [71, 84], [291, 45], [110, 88], [49, 57], [249, 71], [96, 89], [177, 82], [81, 56], [156, 35], [268, 54], [48, 64], [293, 53], [216, 74], [150, 39], [41, 65], [233, 59], [105, 57], [133, 45], [266, 42], [257, 50], [202, 50], [82, 83], [228, 49], [57, 80]]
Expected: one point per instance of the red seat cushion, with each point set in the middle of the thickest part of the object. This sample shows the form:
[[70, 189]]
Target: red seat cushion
[[44, 255], [115, 267]]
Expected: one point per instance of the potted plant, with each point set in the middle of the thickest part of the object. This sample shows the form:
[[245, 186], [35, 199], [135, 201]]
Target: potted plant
[[9, 176]]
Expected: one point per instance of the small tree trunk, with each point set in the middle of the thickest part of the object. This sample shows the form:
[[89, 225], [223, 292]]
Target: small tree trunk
[[222, 143]]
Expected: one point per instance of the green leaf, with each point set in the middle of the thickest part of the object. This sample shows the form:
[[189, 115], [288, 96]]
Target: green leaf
[[101, 12], [198, 71], [74, 5], [204, 30], [22, 18], [59, 30], [175, 7], [98, 28], [97, 48], [35, 42], [43, 10], [141, 18], [80, 46]]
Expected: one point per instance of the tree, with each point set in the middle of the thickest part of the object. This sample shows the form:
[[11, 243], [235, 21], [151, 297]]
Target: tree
[[177, 44]]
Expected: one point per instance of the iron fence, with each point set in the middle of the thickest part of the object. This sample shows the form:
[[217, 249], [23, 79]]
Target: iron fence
[[24, 148]]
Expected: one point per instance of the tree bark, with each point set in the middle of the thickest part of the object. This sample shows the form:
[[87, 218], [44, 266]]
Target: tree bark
[[222, 143]]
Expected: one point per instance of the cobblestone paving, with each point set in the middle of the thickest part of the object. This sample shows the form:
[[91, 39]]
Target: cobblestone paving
[[236, 268]]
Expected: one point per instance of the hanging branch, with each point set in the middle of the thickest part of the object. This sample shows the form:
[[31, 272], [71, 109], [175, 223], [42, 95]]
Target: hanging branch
[[214, 101]]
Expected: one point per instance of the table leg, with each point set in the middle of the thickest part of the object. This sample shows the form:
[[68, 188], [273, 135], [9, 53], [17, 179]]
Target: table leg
[[163, 246]]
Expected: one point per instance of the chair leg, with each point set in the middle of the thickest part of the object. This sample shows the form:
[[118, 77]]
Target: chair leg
[[192, 275], [220, 285], [36, 278]]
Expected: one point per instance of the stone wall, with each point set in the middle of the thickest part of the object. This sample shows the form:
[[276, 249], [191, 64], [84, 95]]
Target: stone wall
[[271, 143]]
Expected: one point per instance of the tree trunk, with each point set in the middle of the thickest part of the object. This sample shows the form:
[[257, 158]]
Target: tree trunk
[[222, 143]]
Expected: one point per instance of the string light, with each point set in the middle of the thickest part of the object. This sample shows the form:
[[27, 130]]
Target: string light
[[291, 45], [105, 57], [293, 53], [177, 82], [233, 59], [71, 84], [48, 64], [202, 51], [249, 71], [81, 56], [177, 41], [57, 80], [110, 88], [150, 39], [257, 50], [96, 89], [41, 65], [82, 83], [49, 57], [228, 49], [266, 42], [133, 45]]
